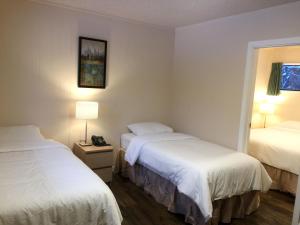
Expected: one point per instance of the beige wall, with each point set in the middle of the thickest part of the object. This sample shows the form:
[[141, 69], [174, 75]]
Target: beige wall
[[38, 71], [288, 108], [209, 67]]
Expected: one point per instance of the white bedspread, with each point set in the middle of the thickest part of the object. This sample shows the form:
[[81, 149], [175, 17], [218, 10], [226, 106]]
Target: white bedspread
[[203, 171], [277, 147], [43, 183]]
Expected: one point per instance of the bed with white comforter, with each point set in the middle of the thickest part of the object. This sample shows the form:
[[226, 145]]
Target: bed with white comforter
[[43, 183], [201, 170], [277, 146]]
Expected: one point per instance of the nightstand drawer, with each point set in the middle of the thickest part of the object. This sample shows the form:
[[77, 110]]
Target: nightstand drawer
[[99, 160], [105, 174]]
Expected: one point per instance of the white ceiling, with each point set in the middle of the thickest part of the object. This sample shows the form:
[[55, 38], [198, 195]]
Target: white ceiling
[[169, 13]]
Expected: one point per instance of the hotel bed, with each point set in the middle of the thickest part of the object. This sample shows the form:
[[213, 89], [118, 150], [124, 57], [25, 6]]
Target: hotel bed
[[42, 182], [278, 148], [203, 181]]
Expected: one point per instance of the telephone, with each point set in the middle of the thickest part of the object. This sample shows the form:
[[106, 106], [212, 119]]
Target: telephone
[[98, 141]]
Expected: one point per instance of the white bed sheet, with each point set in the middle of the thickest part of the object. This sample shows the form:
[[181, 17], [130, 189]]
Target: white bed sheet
[[276, 146], [126, 139], [44, 184], [203, 171]]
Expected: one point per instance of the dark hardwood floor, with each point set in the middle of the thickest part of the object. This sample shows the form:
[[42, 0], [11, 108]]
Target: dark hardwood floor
[[139, 208]]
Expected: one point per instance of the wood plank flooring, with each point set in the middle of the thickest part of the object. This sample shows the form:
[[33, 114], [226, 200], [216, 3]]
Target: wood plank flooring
[[139, 208]]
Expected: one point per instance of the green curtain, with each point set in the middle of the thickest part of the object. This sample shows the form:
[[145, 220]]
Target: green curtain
[[275, 78]]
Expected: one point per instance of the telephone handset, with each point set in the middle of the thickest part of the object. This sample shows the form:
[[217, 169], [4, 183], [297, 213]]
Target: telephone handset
[[98, 141]]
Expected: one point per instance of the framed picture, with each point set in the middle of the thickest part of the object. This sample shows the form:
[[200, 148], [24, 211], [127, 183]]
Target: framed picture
[[92, 63], [290, 77]]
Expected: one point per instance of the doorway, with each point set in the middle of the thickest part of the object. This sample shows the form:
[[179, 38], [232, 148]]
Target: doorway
[[248, 97]]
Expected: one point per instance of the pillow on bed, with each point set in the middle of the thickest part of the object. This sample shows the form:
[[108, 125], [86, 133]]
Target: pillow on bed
[[289, 125], [20, 133], [149, 128]]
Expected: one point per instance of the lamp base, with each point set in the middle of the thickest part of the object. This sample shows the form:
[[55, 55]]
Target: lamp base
[[84, 144]]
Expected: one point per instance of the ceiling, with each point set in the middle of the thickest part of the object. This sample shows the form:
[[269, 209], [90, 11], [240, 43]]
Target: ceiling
[[168, 13]]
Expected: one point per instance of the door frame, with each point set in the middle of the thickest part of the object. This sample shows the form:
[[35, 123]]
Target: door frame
[[296, 214], [248, 96], [249, 84]]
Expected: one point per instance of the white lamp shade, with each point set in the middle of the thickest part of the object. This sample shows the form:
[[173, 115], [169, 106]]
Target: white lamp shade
[[267, 108], [86, 110]]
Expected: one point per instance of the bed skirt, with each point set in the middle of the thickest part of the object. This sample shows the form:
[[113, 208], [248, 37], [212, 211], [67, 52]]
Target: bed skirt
[[166, 193], [282, 180]]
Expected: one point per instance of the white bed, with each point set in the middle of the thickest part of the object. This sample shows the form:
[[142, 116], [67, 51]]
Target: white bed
[[42, 182], [277, 146], [126, 139], [203, 171]]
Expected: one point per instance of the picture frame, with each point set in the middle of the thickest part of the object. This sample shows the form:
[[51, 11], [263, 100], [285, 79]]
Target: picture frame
[[92, 57], [290, 77]]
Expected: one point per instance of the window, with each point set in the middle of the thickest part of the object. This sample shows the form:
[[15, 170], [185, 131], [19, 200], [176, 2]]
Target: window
[[290, 77]]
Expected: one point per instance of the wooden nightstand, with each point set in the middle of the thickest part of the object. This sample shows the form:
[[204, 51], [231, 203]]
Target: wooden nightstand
[[98, 158]]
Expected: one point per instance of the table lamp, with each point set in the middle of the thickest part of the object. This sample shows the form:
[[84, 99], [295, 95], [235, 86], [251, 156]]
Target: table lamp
[[86, 110], [266, 109]]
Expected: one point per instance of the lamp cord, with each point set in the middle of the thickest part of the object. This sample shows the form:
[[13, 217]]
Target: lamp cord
[[85, 131]]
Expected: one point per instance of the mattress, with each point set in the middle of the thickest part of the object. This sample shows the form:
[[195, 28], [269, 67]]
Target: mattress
[[277, 147], [125, 139], [203, 171], [42, 182]]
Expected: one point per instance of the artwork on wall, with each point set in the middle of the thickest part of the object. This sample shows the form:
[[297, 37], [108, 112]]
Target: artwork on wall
[[92, 63], [290, 77]]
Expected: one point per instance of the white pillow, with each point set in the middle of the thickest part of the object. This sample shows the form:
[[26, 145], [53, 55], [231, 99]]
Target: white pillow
[[289, 125], [149, 128], [20, 133]]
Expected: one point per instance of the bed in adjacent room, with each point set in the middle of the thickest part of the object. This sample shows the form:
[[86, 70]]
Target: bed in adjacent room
[[203, 181], [278, 148], [42, 182]]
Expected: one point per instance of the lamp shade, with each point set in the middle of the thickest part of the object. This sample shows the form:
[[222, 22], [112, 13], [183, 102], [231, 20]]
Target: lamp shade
[[86, 110], [267, 108]]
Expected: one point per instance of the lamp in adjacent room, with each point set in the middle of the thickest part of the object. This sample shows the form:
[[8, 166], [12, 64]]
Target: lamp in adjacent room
[[86, 110], [266, 109]]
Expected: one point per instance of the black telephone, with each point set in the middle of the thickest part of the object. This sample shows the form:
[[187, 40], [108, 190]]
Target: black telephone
[[98, 141]]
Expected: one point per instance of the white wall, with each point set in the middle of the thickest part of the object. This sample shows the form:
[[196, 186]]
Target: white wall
[[38, 71], [288, 108], [209, 66]]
